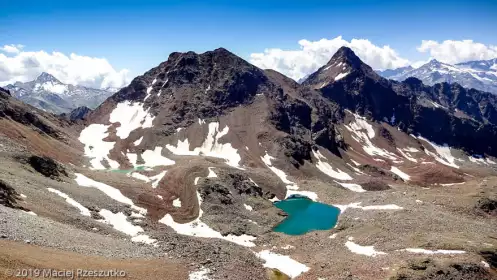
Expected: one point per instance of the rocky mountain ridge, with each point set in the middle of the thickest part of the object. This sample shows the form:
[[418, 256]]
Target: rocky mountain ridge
[[480, 75], [48, 93]]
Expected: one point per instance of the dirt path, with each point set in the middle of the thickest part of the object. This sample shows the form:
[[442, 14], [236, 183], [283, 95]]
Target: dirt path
[[15, 256]]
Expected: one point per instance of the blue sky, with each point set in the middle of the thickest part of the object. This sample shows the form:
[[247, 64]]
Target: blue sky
[[138, 35]]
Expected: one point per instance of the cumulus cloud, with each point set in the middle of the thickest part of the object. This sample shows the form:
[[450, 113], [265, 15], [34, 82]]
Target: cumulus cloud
[[450, 51], [12, 48], [71, 69], [313, 54]]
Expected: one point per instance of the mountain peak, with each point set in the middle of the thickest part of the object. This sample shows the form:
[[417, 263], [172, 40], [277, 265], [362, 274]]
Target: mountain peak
[[346, 55], [46, 77]]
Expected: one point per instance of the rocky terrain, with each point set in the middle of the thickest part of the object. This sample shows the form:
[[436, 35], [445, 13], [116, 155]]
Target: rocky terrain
[[179, 172], [51, 95]]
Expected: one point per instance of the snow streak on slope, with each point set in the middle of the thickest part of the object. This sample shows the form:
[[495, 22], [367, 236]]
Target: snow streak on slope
[[352, 187], [283, 263], [357, 205], [432, 252], [110, 191], [362, 250], [443, 154], [131, 116], [210, 147], [198, 228], [399, 173], [199, 274], [291, 186], [83, 210], [119, 222], [328, 170], [363, 132]]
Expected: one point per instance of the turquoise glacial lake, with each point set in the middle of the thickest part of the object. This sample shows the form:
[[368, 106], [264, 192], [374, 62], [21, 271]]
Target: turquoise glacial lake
[[305, 215]]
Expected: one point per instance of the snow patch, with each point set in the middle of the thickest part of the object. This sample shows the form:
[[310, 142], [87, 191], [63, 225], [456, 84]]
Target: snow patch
[[357, 205], [177, 202], [110, 191], [83, 210], [137, 142], [399, 173], [328, 170], [131, 116], [283, 263], [120, 223], [211, 173], [352, 187], [198, 228], [341, 76], [201, 274], [442, 155], [95, 148], [291, 186], [157, 178], [155, 158], [432, 252], [407, 156], [363, 250], [363, 132], [210, 147]]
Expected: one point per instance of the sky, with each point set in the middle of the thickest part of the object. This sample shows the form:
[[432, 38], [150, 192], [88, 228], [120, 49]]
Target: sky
[[102, 43]]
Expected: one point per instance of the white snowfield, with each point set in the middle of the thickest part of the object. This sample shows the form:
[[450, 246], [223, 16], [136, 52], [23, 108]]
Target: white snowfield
[[198, 228], [210, 147], [283, 263], [341, 76], [362, 250], [137, 142], [352, 187], [291, 187], [131, 116], [83, 210], [110, 191], [51, 86], [406, 155], [363, 132], [120, 223], [201, 274], [95, 148], [211, 174], [155, 158], [399, 173], [442, 155], [357, 205], [327, 169], [177, 202], [432, 252]]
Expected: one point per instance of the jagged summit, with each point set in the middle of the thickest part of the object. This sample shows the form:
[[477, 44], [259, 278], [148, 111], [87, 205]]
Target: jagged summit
[[46, 77], [343, 64], [347, 56]]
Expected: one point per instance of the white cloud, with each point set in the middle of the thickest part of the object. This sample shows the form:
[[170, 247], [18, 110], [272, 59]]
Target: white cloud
[[11, 48], [314, 54], [71, 69], [450, 51]]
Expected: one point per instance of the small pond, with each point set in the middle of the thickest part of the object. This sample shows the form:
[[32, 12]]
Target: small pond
[[305, 215]]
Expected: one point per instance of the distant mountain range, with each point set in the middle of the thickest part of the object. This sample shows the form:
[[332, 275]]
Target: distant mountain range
[[49, 94], [480, 75]]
